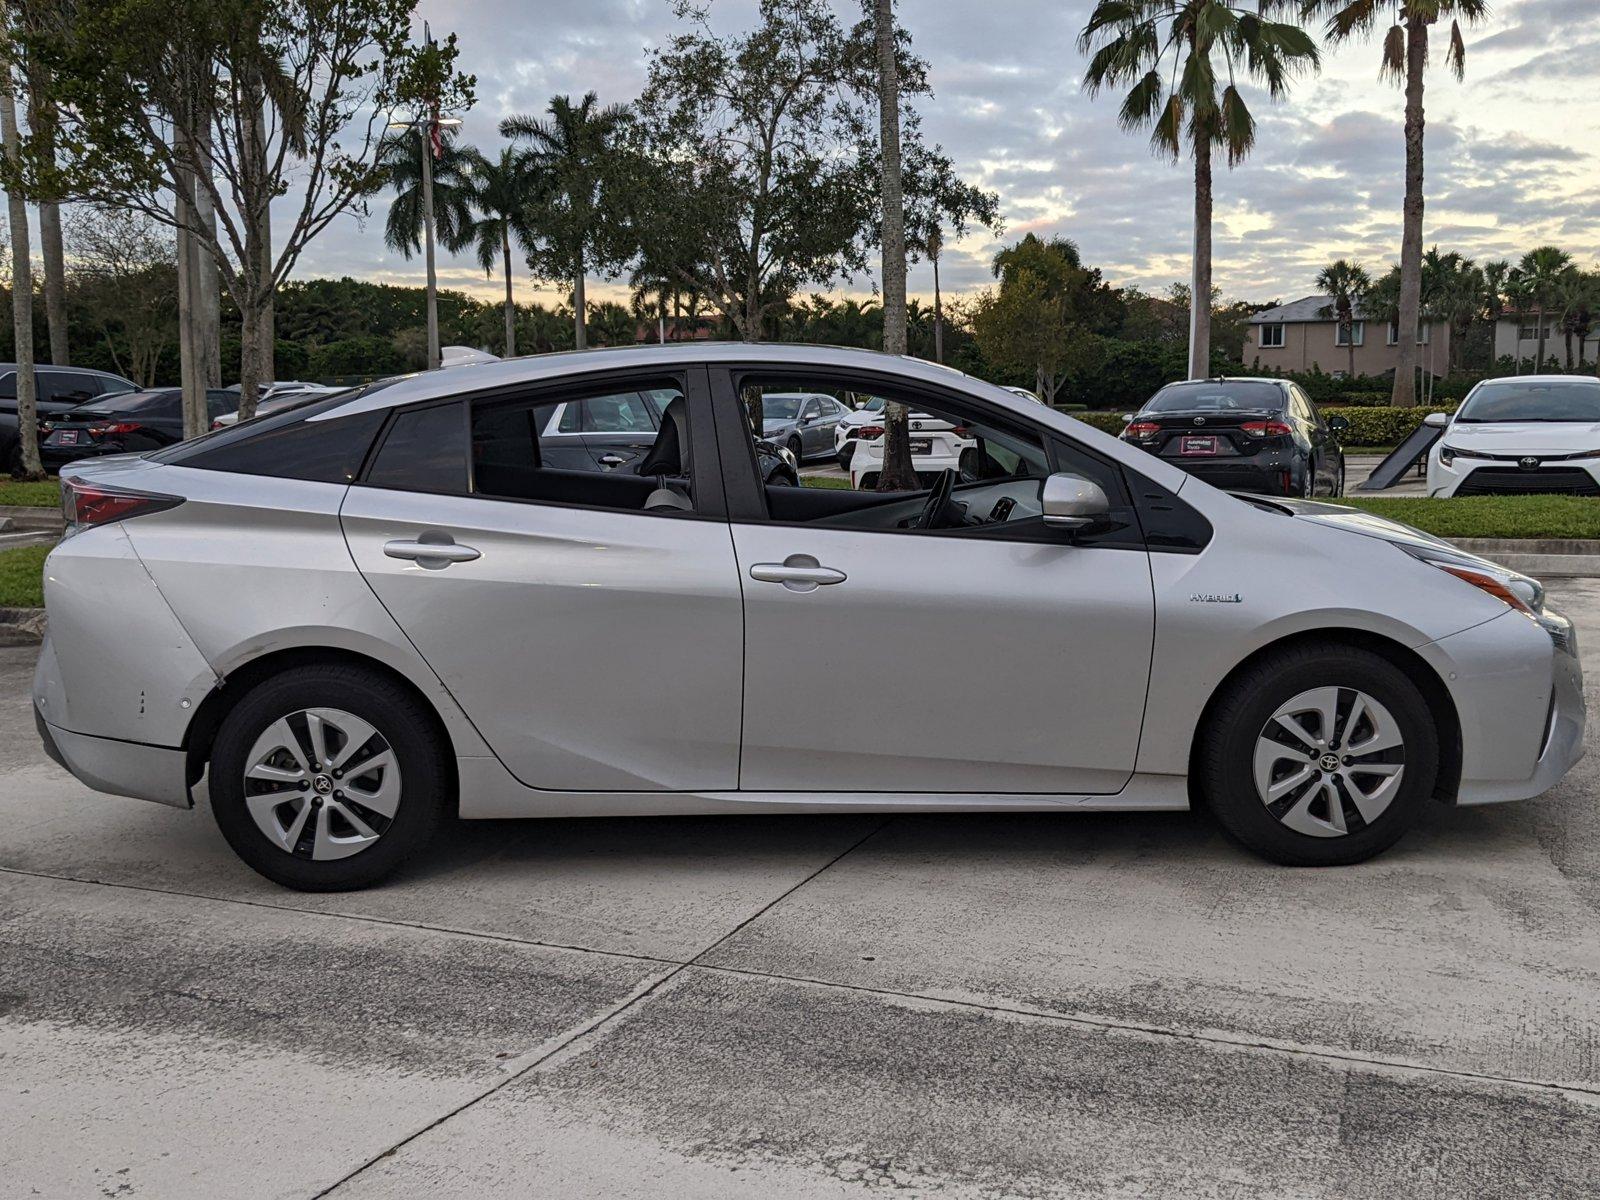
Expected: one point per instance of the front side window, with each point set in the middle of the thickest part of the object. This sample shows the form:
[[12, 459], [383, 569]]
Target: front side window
[[1271, 337], [972, 474]]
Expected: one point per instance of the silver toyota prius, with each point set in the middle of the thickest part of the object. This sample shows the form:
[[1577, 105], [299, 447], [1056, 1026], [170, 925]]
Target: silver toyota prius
[[340, 624]]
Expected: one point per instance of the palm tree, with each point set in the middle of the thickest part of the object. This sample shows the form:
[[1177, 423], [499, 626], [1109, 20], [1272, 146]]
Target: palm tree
[[1542, 271], [1347, 284], [1132, 42], [401, 163], [502, 192], [1405, 61], [574, 149]]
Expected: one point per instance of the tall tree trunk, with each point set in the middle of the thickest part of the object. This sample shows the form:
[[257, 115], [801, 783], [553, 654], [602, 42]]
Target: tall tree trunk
[[42, 122], [938, 303], [257, 273], [25, 460], [1200, 282], [898, 473], [208, 281], [1538, 363], [250, 380], [1405, 369], [1567, 333], [580, 323], [511, 303], [190, 368]]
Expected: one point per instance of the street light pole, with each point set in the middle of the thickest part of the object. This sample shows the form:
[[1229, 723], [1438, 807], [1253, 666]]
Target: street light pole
[[427, 229], [426, 128]]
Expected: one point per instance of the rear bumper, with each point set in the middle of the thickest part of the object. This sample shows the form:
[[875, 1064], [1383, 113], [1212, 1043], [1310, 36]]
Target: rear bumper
[[1264, 475], [122, 768]]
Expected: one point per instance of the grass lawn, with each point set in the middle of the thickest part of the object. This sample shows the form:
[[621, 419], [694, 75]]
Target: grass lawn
[[44, 494], [837, 482], [22, 577], [1491, 516]]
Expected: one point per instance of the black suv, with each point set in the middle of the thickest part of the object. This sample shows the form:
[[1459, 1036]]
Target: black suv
[[1244, 435], [60, 389]]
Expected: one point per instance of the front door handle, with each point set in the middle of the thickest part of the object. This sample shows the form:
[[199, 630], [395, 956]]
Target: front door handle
[[612, 460], [433, 552], [798, 573]]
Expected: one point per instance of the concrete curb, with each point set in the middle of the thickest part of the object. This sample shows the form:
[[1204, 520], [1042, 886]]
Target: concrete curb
[[22, 626], [19, 516], [1543, 558]]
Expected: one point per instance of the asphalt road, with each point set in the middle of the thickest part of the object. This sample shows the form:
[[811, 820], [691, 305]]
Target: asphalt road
[[970, 1005]]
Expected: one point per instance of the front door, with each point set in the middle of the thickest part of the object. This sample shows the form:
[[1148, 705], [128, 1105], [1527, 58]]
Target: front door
[[595, 645], [981, 657]]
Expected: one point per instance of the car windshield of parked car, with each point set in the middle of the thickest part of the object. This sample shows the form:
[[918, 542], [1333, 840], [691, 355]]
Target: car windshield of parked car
[[1219, 396], [779, 408], [1549, 400], [148, 403]]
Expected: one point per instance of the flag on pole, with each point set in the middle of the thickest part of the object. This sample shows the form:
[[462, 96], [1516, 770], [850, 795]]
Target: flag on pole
[[435, 134]]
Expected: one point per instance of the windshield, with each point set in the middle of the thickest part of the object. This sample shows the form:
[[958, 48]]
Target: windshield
[[1548, 400], [1220, 396], [776, 406]]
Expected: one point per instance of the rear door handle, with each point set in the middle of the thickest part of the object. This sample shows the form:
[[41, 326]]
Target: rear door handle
[[433, 554], [612, 460], [798, 573]]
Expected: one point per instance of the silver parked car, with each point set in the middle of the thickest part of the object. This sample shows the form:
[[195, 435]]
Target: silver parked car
[[801, 422], [339, 623]]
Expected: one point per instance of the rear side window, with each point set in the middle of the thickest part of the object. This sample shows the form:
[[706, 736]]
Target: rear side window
[[288, 444], [425, 450]]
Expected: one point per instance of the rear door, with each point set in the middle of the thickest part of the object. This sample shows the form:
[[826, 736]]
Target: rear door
[[594, 644]]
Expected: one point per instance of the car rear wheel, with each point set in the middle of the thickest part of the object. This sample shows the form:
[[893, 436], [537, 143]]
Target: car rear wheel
[[327, 778], [1319, 756]]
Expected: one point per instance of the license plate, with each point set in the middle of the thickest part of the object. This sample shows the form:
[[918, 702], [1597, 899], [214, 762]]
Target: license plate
[[65, 437], [1198, 445], [921, 446]]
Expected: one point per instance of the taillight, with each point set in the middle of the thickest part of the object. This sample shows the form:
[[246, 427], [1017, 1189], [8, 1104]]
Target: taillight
[[1140, 430], [960, 431], [85, 504], [1258, 429], [115, 427], [867, 432]]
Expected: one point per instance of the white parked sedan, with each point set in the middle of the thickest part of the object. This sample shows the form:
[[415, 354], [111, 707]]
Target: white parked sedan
[[1533, 433], [343, 623]]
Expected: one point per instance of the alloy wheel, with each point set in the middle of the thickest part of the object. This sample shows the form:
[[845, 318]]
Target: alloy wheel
[[321, 783], [1329, 761]]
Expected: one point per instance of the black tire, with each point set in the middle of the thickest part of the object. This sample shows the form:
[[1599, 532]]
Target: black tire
[[376, 699], [794, 449], [1308, 480], [845, 454], [1340, 492], [1225, 755]]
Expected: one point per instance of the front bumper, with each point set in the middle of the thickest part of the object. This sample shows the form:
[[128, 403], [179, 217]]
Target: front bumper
[[1491, 477], [144, 772], [1517, 685]]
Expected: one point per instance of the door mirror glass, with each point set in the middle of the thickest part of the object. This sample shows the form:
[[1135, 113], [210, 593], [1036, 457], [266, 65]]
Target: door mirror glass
[[1436, 420], [1338, 423], [1073, 502], [1126, 417]]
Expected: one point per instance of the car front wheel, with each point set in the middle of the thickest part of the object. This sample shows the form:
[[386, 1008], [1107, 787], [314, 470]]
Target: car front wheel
[[1319, 756], [327, 778]]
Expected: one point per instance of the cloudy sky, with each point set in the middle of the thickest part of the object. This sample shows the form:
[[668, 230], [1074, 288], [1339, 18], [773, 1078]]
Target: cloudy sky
[[1513, 153]]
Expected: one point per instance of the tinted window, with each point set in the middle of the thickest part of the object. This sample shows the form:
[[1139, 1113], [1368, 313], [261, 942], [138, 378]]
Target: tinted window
[[61, 386], [8, 386], [1553, 400], [1220, 396], [287, 445], [425, 450], [165, 403]]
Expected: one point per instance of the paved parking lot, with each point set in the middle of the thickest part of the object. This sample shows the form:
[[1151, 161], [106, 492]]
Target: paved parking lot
[[974, 1005]]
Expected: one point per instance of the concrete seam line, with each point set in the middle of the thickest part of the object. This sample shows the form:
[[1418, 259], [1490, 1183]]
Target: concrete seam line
[[561, 1043], [1580, 1092], [367, 918]]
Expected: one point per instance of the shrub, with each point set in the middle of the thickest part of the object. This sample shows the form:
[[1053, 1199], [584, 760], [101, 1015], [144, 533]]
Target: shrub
[[1382, 426]]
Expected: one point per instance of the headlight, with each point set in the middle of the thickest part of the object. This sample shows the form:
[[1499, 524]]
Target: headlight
[[1447, 454], [1515, 590]]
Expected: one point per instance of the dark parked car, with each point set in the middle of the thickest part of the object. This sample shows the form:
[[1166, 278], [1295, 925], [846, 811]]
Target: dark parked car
[[130, 422], [60, 390], [1244, 435]]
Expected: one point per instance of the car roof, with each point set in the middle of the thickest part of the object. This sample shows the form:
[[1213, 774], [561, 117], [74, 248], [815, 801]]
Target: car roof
[[1589, 379], [471, 377], [52, 369]]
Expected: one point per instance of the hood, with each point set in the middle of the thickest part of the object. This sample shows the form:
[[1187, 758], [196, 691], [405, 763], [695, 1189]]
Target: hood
[[1524, 437], [1353, 520]]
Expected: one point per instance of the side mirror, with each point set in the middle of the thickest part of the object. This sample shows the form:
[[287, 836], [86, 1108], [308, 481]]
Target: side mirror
[[1072, 502], [1128, 417], [1436, 420], [1338, 423]]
